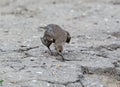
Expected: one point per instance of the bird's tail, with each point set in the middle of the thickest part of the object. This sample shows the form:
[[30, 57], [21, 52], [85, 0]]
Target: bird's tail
[[43, 27]]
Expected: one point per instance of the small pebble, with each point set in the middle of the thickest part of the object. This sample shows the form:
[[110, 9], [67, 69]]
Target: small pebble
[[32, 60]]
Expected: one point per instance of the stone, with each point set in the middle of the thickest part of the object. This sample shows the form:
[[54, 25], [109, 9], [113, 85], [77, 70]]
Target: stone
[[92, 82]]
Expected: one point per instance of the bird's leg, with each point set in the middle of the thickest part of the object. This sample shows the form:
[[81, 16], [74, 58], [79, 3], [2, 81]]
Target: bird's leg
[[62, 58], [50, 51]]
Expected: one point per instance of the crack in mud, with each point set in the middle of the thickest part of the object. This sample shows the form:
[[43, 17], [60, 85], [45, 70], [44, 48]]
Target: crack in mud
[[26, 49], [65, 84], [1, 50], [22, 68]]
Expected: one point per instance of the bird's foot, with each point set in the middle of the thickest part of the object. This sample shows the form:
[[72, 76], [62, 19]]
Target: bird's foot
[[62, 59], [49, 52]]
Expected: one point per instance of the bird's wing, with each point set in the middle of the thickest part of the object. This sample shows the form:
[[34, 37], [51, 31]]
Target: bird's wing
[[49, 35]]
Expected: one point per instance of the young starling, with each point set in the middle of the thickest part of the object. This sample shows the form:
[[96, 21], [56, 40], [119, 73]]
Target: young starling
[[55, 34]]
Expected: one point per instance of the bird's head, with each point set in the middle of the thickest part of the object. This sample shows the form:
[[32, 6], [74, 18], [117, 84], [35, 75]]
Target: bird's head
[[59, 48]]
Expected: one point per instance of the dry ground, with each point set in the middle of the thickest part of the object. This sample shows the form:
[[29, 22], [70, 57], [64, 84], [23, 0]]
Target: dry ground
[[92, 57]]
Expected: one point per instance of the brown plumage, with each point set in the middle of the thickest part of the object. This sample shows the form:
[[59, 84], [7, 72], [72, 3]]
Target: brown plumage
[[55, 34]]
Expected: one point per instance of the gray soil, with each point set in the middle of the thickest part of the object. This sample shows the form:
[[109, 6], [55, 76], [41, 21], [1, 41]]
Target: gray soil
[[92, 57]]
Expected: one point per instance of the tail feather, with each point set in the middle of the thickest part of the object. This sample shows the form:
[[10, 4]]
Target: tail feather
[[43, 27]]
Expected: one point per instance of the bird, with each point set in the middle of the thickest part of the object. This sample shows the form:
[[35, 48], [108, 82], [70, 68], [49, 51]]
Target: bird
[[55, 34]]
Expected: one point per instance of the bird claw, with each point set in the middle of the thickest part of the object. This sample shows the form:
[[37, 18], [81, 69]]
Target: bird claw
[[62, 60], [51, 53]]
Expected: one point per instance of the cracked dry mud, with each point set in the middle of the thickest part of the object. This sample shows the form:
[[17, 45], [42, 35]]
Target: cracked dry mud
[[92, 57]]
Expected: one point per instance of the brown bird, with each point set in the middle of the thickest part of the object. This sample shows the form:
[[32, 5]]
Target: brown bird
[[55, 34]]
